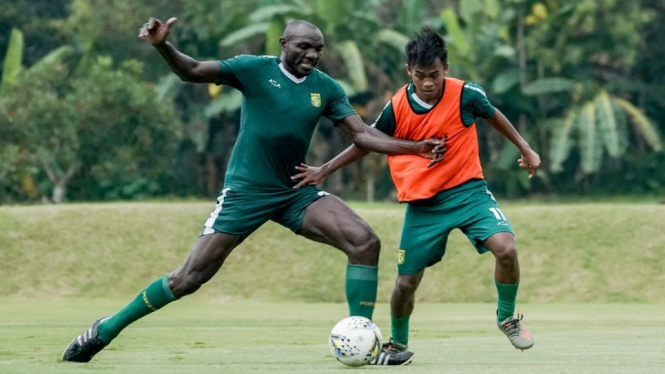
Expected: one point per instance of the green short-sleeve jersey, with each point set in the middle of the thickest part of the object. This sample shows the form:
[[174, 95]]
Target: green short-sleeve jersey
[[474, 103], [278, 116]]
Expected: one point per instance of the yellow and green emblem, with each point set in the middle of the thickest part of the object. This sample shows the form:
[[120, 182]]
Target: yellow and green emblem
[[316, 99], [400, 257]]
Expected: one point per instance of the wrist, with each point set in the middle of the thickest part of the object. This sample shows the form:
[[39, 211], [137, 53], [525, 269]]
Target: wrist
[[326, 169], [161, 45], [524, 148], [417, 148]]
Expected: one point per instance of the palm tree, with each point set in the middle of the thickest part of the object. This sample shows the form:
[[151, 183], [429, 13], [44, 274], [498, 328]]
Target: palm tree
[[596, 126]]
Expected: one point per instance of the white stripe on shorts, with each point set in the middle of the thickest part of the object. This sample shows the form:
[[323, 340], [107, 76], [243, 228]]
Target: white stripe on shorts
[[215, 213]]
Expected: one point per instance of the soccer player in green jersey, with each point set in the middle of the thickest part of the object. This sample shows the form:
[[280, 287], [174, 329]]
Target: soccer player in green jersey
[[452, 194], [283, 99]]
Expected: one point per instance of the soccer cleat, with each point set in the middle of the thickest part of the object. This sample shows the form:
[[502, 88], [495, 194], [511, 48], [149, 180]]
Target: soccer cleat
[[518, 335], [85, 346], [393, 353]]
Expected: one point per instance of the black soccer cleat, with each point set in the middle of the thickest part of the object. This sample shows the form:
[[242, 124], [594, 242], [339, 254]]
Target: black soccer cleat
[[393, 353], [85, 346]]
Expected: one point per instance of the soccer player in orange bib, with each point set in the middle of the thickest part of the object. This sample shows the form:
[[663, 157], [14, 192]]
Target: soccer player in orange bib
[[443, 196]]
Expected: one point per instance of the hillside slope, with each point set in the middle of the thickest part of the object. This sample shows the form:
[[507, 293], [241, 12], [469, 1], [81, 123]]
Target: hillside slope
[[568, 253]]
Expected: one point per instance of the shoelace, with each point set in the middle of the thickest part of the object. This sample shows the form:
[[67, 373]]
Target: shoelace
[[394, 347], [513, 326]]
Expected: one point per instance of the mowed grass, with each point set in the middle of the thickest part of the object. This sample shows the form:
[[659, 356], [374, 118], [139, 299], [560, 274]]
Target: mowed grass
[[193, 336], [593, 252], [592, 291]]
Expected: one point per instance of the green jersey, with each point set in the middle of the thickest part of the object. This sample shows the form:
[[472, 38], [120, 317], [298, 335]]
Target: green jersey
[[474, 103], [278, 116]]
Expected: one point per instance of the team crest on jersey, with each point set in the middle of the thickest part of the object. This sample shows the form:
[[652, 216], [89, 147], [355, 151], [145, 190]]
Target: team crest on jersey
[[401, 256], [316, 99]]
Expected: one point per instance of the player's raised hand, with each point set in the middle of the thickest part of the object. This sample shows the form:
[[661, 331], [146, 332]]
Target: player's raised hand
[[155, 32], [309, 175], [530, 161]]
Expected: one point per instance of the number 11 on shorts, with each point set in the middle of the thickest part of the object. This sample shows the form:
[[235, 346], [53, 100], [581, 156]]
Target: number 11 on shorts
[[498, 214]]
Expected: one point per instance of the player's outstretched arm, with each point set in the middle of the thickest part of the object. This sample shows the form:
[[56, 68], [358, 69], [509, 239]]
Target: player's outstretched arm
[[530, 160], [313, 175], [188, 69], [373, 140]]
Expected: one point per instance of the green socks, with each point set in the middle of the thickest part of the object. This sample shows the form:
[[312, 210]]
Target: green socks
[[399, 329], [507, 296], [361, 284], [155, 296]]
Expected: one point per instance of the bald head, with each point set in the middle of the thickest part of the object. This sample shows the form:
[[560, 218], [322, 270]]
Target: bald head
[[301, 28]]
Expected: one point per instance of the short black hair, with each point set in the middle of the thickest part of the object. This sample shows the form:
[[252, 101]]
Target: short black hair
[[425, 47]]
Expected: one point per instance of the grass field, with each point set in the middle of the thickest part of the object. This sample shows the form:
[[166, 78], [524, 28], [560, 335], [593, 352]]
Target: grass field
[[601, 252], [592, 291], [194, 336]]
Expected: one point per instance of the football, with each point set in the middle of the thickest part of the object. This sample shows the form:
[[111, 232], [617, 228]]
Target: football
[[355, 341]]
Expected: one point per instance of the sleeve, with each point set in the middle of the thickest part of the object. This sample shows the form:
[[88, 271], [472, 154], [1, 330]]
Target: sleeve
[[240, 71], [475, 103], [338, 106], [386, 122]]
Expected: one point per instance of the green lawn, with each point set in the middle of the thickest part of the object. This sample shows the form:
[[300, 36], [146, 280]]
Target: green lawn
[[196, 336], [592, 291], [604, 252]]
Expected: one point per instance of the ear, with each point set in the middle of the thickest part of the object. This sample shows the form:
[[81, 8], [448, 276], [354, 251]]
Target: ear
[[445, 69], [282, 43], [408, 69]]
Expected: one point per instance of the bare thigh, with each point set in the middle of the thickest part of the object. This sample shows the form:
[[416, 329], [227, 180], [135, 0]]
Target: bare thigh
[[329, 220]]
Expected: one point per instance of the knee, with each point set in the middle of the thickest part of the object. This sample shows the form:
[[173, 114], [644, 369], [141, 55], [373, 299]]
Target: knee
[[183, 283], [406, 285], [506, 252], [366, 250], [373, 245]]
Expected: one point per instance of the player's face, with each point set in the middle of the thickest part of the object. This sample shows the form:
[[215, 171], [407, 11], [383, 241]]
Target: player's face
[[428, 80], [301, 53]]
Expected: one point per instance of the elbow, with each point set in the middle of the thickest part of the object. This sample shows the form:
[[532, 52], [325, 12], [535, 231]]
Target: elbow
[[187, 77], [360, 142], [190, 74]]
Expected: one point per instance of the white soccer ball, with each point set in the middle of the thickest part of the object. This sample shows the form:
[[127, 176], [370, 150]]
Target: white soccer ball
[[355, 341]]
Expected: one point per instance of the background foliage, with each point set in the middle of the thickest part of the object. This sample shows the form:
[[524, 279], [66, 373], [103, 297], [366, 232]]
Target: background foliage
[[90, 112]]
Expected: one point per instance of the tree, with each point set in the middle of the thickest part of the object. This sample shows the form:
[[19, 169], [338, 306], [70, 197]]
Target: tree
[[16, 169], [102, 131], [577, 69], [597, 126]]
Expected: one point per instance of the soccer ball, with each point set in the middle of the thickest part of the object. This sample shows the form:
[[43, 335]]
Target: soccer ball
[[355, 341]]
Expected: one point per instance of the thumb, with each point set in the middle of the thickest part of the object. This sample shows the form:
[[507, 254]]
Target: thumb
[[170, 22]]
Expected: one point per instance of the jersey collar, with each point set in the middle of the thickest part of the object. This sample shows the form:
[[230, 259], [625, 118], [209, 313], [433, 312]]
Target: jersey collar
[[417, 104], [291, 76]]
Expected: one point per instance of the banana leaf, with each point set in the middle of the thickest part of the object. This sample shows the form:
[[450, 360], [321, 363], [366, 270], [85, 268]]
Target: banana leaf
[[548, 86], [12, 64], [353, 60]]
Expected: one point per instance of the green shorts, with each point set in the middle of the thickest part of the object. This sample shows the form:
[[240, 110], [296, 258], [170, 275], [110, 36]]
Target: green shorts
[[242, 211], [469, 207]]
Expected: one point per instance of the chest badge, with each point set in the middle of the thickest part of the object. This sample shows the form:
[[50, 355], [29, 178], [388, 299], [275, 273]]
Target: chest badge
[[316, 99]]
